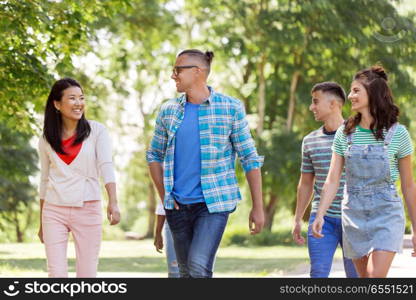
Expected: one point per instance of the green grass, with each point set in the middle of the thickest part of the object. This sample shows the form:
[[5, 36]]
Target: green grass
[[139, 259]]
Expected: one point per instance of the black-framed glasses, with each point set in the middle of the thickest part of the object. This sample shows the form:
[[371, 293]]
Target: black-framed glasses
[[176, 69]]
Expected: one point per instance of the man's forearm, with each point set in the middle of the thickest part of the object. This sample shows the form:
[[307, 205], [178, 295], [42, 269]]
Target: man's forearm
[[160, 221], [156, 172], [304, 194], [328, 194], [254, 182]]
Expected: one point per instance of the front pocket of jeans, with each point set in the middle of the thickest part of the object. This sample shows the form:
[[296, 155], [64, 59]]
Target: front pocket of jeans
[[93, 207]]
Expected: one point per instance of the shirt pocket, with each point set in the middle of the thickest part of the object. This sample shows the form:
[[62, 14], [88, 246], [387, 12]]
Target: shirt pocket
[[220, 135]]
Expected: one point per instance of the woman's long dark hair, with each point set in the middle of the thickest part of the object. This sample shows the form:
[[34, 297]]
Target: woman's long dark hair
[[52, 126], [380, 99]]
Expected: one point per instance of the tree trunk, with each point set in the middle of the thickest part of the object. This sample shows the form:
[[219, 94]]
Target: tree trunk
[[292, 100], [295, 79], [246, 77], [151, 200], [272, 110], [29, 217], [270, 211], [19, 233], [262, 96]]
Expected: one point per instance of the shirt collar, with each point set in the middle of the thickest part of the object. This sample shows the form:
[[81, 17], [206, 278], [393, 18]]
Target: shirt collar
[[182, 98]]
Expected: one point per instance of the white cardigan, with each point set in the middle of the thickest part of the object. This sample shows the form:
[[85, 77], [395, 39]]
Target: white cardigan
[[71, 185]]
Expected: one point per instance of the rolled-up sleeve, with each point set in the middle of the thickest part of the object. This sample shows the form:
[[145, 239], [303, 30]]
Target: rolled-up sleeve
[[160, 210], [44, 168], [243, 142], [157, 148], [104, 156]]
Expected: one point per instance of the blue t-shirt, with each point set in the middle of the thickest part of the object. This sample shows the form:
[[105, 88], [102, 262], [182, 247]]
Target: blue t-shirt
[[187, 161]]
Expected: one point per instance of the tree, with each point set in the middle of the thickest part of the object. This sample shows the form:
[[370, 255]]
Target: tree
[[284, 47], [142, 36], [38, 41], [17, 163]]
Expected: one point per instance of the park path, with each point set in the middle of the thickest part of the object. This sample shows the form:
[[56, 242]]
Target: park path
[[403, 266]]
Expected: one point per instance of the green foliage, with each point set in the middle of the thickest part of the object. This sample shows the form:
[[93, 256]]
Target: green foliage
[[38, 40], [239, 236], [17, 164], [142, 36], [134, 191], [282, 161]]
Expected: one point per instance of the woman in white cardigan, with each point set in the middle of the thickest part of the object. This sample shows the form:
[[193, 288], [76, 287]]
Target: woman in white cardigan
[[74, 153]]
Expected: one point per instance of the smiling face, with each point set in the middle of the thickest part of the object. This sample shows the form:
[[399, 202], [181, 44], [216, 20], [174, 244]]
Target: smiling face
[[187, 71], [322, 105], [358, 97], [72, 103]]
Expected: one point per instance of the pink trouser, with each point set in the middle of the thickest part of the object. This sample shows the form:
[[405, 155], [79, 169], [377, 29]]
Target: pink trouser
[[85, 223]]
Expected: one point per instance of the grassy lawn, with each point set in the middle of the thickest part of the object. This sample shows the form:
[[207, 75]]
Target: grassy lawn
[[139, 259]]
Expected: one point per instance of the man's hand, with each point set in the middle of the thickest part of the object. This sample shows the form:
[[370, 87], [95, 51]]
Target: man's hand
[[158, 242], [256, 218], [297, 233]]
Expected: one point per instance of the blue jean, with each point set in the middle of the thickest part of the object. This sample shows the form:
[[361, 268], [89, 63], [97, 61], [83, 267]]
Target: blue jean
[[196, 235], [321, 251], [173, 269]]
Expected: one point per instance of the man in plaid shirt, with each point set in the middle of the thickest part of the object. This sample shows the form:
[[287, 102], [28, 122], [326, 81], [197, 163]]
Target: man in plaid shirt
[[192, 163]]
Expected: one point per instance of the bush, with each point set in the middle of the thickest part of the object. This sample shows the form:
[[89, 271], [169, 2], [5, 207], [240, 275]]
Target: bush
[[240, 236], [111, 233]]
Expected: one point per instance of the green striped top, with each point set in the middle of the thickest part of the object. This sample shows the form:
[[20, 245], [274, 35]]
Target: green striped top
[[400, 146]]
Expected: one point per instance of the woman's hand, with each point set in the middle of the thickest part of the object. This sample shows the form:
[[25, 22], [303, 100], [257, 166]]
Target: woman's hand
[[317, 225], [113, 213], [40, 234]]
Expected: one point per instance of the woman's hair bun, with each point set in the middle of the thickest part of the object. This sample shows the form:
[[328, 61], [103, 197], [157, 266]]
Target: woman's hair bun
[[209, 55], [379, 70]]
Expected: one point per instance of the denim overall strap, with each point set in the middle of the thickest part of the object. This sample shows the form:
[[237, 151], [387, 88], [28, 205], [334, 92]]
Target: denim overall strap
[[389, 135], [349, 138]]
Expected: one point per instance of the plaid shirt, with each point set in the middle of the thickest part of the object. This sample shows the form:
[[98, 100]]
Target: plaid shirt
[[224, 132]]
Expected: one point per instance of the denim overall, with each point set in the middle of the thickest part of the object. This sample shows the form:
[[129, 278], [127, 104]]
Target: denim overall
[[372, 211]]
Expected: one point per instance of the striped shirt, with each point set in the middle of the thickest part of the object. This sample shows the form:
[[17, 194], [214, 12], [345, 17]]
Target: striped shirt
[[400, 146], [316, 158], [224, 132]]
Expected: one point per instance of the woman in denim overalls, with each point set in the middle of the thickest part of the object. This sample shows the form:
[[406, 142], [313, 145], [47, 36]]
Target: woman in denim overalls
[[372, 212]]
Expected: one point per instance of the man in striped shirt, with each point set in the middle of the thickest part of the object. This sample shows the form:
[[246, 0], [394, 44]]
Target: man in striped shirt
[[327, 101], [192, 163]]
